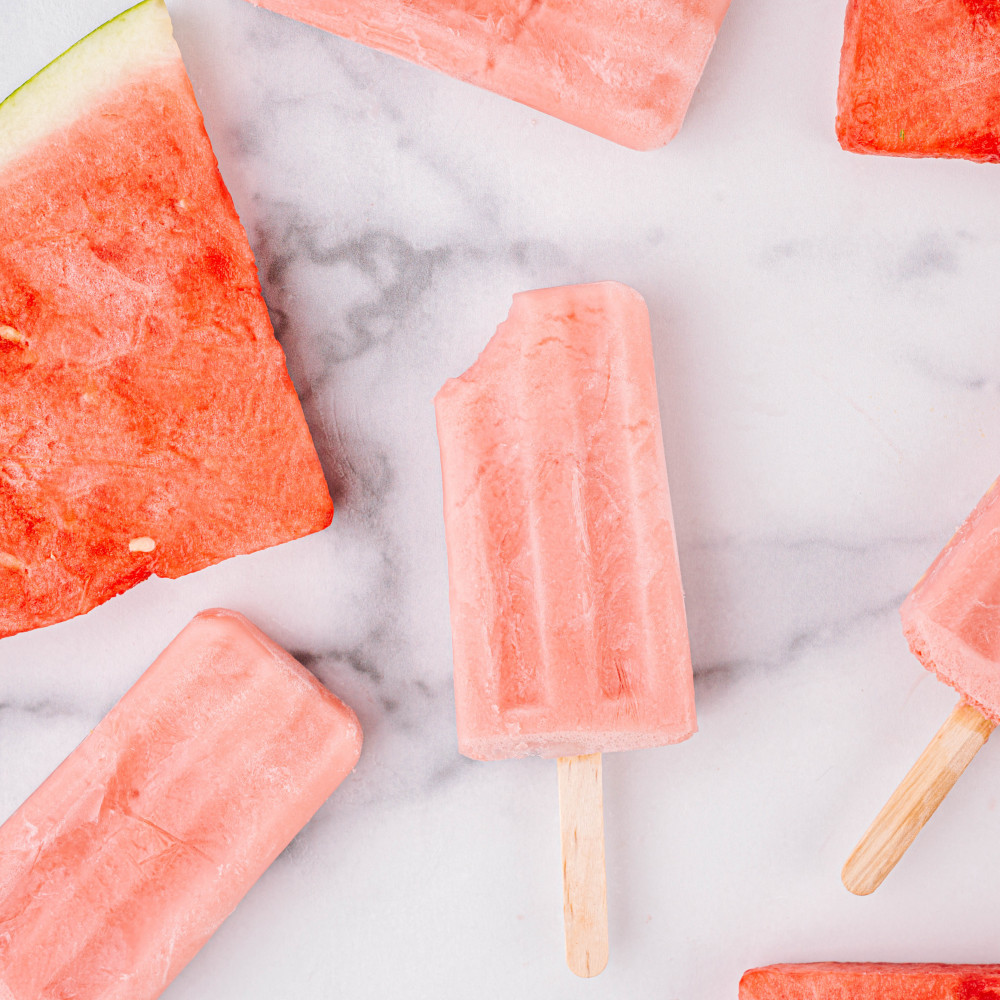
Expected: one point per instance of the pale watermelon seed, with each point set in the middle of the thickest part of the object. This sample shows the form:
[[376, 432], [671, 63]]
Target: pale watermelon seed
[[13, 336]]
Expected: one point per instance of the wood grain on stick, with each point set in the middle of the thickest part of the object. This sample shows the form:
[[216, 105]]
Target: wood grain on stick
[[585, 903], [914, 801]]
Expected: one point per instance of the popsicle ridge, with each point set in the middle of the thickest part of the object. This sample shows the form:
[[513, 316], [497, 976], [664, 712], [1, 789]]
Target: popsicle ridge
[[567, 610]]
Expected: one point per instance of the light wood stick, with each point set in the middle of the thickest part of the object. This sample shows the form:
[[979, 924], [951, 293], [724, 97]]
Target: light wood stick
[[585, 895], [913, 803]]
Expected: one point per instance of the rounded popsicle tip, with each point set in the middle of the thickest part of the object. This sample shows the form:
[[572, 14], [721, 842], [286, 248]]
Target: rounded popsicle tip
[[913, 803], [588, 964], [859, 878]]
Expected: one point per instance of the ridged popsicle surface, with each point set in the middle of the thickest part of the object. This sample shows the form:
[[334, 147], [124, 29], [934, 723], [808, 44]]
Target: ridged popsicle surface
[[567, 609]]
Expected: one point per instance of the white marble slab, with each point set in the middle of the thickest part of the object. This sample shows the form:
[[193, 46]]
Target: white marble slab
[[826, 333]]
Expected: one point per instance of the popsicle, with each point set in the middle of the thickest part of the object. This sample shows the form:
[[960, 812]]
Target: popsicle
[[567, 611], [951, 620], [124, 862], [623, 69], [870, 981]]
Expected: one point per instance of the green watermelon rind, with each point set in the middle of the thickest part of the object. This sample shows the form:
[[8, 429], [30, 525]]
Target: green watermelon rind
[[59, 93]]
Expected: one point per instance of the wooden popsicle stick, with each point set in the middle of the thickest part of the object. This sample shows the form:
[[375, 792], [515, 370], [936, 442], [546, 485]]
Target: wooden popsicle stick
[[913, 803], [585, 902]]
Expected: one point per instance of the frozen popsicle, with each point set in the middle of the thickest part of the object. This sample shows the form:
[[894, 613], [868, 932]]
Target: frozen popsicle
[[623, 69], [128, 857], [951, 620], [870, 981], [567, 611]]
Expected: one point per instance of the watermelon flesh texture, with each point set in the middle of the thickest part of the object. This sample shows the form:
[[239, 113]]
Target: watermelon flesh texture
[[871, 981], [921, 79], [147, 420], [623, 69], [131, 854]]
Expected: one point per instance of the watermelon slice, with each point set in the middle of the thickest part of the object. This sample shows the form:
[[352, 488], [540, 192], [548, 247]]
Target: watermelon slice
[[921, 79], [623, 69], [871, 981], [147, 420]]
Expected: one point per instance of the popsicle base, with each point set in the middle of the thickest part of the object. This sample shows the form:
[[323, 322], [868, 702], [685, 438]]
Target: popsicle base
[[568, 744]]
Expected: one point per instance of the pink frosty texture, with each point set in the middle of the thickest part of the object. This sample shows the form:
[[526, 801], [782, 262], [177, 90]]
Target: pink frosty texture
[[125, 861], [567, 610], [952, 616], [623, 69]]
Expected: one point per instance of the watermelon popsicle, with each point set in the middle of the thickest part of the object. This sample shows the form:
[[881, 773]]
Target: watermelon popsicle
[[870, 981], [567, 612], [148, 424], [124, 862], [622, 69], [951, 620]]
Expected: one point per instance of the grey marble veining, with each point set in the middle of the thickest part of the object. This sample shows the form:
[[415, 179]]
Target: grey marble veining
[[825, 332]]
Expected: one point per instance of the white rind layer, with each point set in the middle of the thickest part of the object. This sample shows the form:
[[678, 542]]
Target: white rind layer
[[140, 39]]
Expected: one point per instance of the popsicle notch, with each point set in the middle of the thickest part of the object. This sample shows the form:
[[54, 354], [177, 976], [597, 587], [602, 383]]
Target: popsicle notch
[[913, 803], [951, 620], [585, 896]]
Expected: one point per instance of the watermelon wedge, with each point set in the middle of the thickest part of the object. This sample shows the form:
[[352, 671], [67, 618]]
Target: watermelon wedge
[[871, 981], [622, 69], [147, 420], [921, 79]]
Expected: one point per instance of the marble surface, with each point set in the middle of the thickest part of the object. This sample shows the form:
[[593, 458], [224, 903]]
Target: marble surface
[[825, 330]]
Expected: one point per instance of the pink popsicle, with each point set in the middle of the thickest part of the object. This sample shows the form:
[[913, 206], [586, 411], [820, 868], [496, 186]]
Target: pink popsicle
[[567, 609], [128, 857], [952, 616], [951, 620], [623, 69], [567, 612]]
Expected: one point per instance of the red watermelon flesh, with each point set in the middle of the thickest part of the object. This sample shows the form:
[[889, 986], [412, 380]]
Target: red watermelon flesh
[[921, 79], [147, 420], [871, 981]]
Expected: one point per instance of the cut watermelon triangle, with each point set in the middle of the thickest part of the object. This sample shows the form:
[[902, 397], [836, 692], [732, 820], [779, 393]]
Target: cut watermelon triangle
[[871, 981], [147, 420], [921, 79]]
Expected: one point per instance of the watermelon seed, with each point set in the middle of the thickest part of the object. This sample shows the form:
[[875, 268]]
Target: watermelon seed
[[13, 336], [143, 544], [7, 561]]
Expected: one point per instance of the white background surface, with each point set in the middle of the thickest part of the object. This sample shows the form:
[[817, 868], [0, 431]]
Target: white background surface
[[825, 329]]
